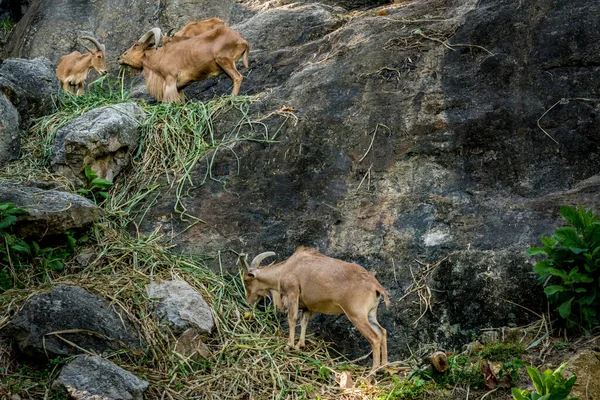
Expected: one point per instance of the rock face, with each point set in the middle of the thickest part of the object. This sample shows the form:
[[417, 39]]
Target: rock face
[[449, 140], [94, 325], [102, 139], [180, 306], [29, 85], [93, 378], [10, 136], [51, 212]]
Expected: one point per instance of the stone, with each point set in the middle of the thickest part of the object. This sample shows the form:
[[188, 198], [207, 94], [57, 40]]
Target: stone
[[102, 139], [180, 306], [51, 212], [94, 325], [10, 135], [586, 365], [93, 378], [190, 345], [30, 86]]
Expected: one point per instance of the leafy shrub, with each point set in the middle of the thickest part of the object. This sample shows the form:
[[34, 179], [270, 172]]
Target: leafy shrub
[[549, 385], [572, 267]]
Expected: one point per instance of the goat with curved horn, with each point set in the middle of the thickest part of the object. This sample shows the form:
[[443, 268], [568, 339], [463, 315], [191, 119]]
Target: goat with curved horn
[[73, 69]]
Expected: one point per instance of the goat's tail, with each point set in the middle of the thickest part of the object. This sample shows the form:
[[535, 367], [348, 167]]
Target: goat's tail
[[245, 60], [382, 292]]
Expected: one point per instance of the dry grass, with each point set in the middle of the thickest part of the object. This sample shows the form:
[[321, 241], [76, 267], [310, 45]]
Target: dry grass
[[249, 357]]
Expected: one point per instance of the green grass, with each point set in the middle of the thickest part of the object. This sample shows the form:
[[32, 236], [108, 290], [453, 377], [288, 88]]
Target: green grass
[[497, 351], [6, 26]]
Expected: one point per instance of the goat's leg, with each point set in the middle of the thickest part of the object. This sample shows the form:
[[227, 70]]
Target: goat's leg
[[376, 326], [292, 316], [171, 94], [303, 324], [228, 65], [80, 89], [361, 322]]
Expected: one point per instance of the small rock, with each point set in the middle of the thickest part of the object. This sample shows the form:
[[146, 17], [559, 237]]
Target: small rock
[[181, 306], [102, 139], [51, 212], [74, 314], [93, 378], [189, 345]]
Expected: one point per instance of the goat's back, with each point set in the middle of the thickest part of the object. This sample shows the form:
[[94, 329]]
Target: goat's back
[[327, 283]]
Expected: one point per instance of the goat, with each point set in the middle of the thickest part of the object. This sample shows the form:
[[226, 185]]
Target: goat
[[313, 282], [169, 69], [73, 69], [195, 29]]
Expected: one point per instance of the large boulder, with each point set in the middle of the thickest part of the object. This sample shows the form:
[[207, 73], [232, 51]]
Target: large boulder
[[102, 139], [181, 307], [30, 86], [51, 212], [10, 135], [67, 321], [94, 378]]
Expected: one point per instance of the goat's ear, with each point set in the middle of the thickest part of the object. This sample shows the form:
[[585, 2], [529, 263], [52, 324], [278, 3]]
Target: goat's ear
[[242, 261], [252, 274]]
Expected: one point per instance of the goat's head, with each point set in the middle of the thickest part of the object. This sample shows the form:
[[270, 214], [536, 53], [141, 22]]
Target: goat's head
[[255, 288], [98, 55], [133, 56]]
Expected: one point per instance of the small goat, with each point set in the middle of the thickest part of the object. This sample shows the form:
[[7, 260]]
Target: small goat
[[73, 69], [315, 283], [169, 69], [195, 29]]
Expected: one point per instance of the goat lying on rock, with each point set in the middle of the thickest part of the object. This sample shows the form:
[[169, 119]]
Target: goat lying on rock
[[73, 69], [315, 283], [169, 69]]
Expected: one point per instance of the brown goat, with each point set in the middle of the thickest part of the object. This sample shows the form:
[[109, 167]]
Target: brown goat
[[313, 282], [195, 29], [169, 69], [73, 69]]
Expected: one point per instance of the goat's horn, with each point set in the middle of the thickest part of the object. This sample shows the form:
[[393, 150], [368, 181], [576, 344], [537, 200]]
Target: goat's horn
[[256, 262], [152, 33], [170, 31], [95, 42]]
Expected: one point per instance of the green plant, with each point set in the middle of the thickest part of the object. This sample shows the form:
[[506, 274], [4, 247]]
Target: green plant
[[6, 26], [510, 369], [497, 351], [572, 267], [549, 385], [97, 188]]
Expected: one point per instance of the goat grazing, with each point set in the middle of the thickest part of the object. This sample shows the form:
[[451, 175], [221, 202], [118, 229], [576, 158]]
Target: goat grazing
[[169, 69], [315, 283], [73, 69], [195, 29]]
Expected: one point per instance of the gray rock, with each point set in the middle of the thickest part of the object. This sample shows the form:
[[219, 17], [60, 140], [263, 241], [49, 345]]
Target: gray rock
[[29, 85], [93, 378], [190, 345], [92, 322], [102, 139], [180, 306], [51, 212], [291, 25], [10, 135], [586, 365]]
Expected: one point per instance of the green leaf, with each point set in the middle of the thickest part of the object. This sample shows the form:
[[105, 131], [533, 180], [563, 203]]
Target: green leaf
[[536, 250], [559, 273], [536, 378], [21, 247], [8, 221], [543, 268], [6, 206], [568, 237], [577, 250], [56, 265], [520, 394], [90, 174], [572, 216], [565, 308], [100, 183], [550, 290]]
